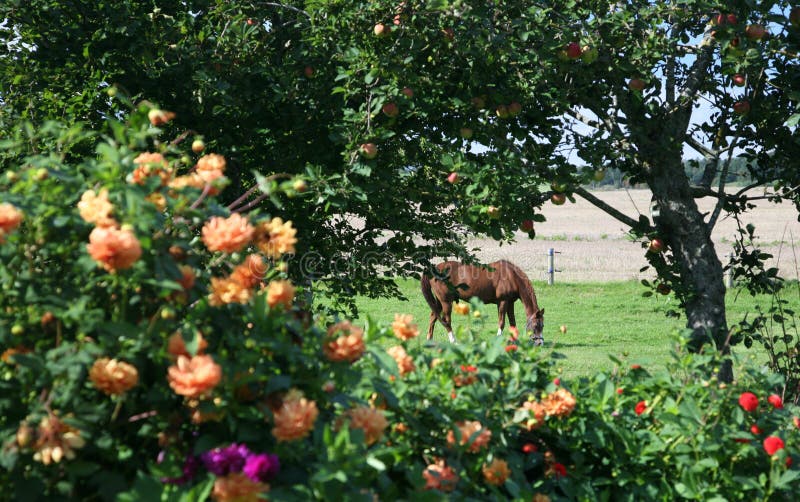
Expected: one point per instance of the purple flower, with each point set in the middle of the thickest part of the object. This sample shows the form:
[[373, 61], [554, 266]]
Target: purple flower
[[189, 469], [222, 461], [262, 467]]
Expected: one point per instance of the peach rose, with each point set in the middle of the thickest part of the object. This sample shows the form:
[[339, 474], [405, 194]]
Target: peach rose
[[237, 487], [176, 346], [295, 418], [94, 207], [250, 272], [536, 413], [467, 430], [114, 248], [151, 164], [229, 234], [113, 377], [275, 238], [461, 308], [403, 328], [225, 290], [405, 364], [370, 420], [10, 219], [280, 292], [187, 277], [440, 476], [497, 472], [193, 377], [348, 346], [559, 404], [56, 440]]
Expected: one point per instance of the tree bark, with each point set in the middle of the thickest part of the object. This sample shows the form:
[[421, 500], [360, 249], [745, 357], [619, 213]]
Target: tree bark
[[683, 228]]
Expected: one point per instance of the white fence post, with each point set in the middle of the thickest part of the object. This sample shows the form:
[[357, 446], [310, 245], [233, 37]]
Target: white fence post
[[551, 268]]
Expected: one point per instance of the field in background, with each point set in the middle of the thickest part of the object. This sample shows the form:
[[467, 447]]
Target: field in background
[[594, 247], [602, 319]]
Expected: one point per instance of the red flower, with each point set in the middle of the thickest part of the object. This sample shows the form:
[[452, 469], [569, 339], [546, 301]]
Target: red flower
[[619, 390], [775, 400], [559, 470], [469, 368], [788, 461], [772, 444], [755, 430], [640, 407], [511, 348], [529, 448], [741, 440], [796, 422], [748, 401], [636, 366], [556, 381]]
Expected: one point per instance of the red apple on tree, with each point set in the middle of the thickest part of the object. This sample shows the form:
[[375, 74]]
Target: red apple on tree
[[308, 71], [755, 31], [381, 30], [390, 110], [493, 212], [407, 92], [599, 175], [502, 111], [656, 245], [452, 178], [526, 225], [574, 50], [514, 108], [636, 84], [731, 18], [558, 199], [198, 146], [479, 102], [739, 80], [741, 107], [368, 151], [250, 22]]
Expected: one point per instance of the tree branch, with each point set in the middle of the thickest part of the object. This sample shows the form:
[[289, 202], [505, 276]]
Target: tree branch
[[701, 148], [610, 210]]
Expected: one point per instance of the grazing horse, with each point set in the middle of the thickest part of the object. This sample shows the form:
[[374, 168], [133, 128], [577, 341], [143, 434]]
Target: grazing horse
[[500, 282]]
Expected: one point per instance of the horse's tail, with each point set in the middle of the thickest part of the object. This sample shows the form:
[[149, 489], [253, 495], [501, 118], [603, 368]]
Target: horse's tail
[[427, 292]]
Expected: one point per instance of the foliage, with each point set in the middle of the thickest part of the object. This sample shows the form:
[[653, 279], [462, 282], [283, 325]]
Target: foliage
[[385, 421]]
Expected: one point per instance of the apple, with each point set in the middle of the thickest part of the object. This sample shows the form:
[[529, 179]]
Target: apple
[[198, 146], [558, 199], [731, 18], [599, 175], [563, 329], [514, 108], [479, 102], [250, 22], [452, 178], [390, 110], [159, 117], [794, 16], [734, 42], [493, 212], [739, 80], [589, 54], [397, 20], [300, 186], [111, 91], [526, 225], [741, 107], [656, 245], [559, 187], [368, 150], [755, 31], [449, 34], [407, 92], [636, 84], [466, 132], [573, 50], [381, 30], [502, 111], [308, 71], [663, 289], [719, 19]]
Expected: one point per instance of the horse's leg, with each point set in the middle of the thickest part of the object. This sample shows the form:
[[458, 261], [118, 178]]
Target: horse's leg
[[512, 321], [501, 316], [431, 325], [447, 309]]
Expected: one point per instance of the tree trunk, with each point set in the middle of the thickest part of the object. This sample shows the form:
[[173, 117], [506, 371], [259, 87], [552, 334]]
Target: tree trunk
[[682, 227]]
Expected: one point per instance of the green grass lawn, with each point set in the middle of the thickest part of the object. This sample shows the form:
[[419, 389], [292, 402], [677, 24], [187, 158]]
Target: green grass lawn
[[602, 319]]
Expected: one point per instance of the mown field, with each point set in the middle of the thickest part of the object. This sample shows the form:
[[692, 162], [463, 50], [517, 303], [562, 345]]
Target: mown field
[[602, 319]]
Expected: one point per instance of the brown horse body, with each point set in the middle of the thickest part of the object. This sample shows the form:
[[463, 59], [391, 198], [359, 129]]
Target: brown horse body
[[500, 282]]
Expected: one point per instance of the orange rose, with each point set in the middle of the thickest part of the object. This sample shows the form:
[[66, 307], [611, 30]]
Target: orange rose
[[225, 290], [229, 234], [295, 418], [56, 440], [348, 346], [497, 472], [187, 277], [10, 219], [150, 164], [280, 292], [94, 207], [193, 377], [250, 272], [536, 413], [559, 404], [473, 433], [113, 377], [176, 346], [237, 487], [403, 328], [370, 420], [405, 364], [275, 238], [440, 476], [113, 248], [461, 308]]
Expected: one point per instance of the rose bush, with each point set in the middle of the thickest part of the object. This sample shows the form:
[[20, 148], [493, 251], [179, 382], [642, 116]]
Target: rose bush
[[153, 348]]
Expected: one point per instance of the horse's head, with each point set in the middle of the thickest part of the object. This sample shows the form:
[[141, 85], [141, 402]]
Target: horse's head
[[536, 325]]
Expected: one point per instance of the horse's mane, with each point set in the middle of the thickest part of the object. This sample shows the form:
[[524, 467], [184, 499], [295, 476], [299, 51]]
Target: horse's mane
[[526, 293]]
